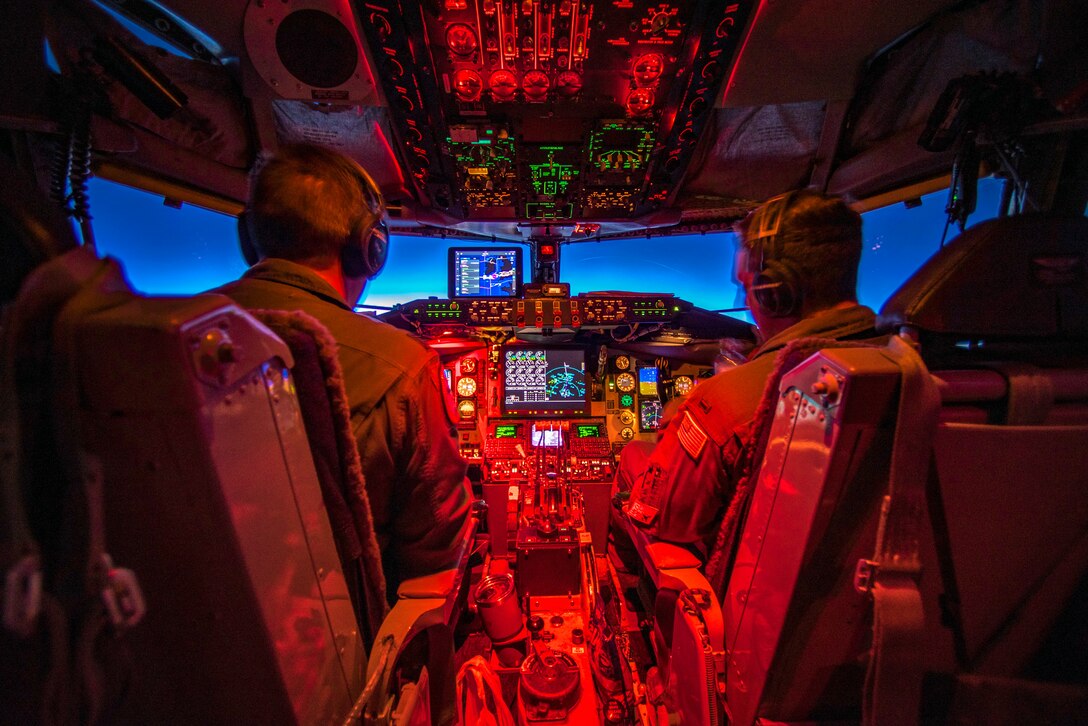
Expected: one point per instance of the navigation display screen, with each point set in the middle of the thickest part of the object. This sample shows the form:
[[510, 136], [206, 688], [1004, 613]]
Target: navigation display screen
[[544, 380], [485, 271], [649, 415]]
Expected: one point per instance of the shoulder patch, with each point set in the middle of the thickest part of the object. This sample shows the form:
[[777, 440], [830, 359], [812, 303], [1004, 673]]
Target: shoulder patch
[[691, 436]]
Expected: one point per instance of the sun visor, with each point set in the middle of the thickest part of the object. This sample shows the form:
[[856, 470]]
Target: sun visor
[[758, 152], [354, 130], [1020, 277]]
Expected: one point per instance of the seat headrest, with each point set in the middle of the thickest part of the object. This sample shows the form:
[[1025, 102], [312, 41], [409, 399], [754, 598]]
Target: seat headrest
[[1016, 278]]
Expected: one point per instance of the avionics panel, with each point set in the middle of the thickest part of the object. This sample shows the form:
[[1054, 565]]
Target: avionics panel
[[544, 381], [485, 272]]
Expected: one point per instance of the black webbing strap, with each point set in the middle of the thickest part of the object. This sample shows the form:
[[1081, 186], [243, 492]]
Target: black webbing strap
[[893, 683]]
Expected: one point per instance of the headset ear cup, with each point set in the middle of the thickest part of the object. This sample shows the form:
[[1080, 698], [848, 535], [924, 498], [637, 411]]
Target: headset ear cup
[[365, 257], [377, 249], [245, 239], [777, 289]]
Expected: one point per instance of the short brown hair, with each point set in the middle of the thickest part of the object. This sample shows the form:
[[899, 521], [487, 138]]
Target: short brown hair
[[819, 236], [307, 201]]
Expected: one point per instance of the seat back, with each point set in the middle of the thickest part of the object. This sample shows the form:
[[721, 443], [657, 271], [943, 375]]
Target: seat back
[[183, 455], [1002, 537], [319, 382]]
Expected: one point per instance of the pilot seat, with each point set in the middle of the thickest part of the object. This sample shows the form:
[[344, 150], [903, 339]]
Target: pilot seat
[[914, 545], [167, 552]]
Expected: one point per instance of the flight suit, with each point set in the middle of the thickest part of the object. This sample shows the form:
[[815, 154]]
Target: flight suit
[[415, 477], [680, 488]]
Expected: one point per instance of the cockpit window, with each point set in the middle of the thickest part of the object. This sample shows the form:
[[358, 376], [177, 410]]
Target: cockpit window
[[416, 268], [164, 250], [188, 250], [899, 238], [697, 268]]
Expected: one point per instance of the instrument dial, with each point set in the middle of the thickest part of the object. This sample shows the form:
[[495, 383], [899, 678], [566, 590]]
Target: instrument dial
[[625, 382], [683, 385], [627, 434], [623, 362], [466, 409], [466, 387], [626, 418], [468, 365], [461, 39]]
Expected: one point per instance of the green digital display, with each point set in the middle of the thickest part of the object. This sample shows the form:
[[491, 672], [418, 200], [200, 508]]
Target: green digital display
[[506, 431], [588, 431], [619, 146], [627, 400]]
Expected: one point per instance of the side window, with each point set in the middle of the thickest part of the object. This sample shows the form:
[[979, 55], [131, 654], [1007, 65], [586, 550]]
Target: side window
[[897, 239], [164, 250]]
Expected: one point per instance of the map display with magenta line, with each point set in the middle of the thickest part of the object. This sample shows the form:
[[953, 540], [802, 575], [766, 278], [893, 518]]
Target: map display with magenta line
[[544, 380], [486, 272]]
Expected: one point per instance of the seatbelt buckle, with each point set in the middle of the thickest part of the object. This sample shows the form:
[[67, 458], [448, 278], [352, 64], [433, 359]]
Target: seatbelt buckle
[[22, 595], [864, 575], [121, 595]]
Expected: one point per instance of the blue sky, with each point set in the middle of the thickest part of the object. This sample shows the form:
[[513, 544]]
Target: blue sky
[[166, 250]]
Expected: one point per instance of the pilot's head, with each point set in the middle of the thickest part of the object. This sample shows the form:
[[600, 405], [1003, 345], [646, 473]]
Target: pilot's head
[[797, 254], [317, 207]]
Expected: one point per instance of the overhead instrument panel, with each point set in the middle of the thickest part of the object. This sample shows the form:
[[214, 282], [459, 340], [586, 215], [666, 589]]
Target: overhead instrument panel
[[550, 110]]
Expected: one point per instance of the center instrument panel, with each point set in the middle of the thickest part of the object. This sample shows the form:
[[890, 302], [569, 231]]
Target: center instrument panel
[[545, 390]]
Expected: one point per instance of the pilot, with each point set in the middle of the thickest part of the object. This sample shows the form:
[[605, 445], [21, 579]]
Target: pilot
[[314, 221], [797, 259]]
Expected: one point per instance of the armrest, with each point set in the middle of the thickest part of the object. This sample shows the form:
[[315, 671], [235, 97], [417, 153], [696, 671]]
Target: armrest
[[423, 603], [669, 565], [444, 583]]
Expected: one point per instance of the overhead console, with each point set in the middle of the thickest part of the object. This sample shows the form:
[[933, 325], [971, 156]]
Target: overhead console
[[554, 109]]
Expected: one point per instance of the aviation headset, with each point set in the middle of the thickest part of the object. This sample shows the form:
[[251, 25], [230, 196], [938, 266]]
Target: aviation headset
[[365, 252], [776, 285]]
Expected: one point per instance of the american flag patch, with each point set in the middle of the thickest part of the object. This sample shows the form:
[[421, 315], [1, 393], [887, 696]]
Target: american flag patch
[[692, 438]]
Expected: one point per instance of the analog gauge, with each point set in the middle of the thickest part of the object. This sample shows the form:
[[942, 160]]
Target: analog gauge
[[625, 382], [461, 39], [535, 84], [648, 68], [622, 362], [640, 102], [466, 409], [683, 385], [627, 433], [626, 418], [466, 387], [503, 85], [568, 83], [468, 365], [468, 85]]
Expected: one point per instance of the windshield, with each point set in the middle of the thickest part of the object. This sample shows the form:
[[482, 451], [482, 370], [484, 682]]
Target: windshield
[[186, 250]]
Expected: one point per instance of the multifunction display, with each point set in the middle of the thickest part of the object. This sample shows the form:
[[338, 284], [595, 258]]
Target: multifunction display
[[544, 380], [485, 272]]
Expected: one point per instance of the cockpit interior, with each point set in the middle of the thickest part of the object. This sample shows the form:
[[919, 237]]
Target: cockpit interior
[[912, 542]]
